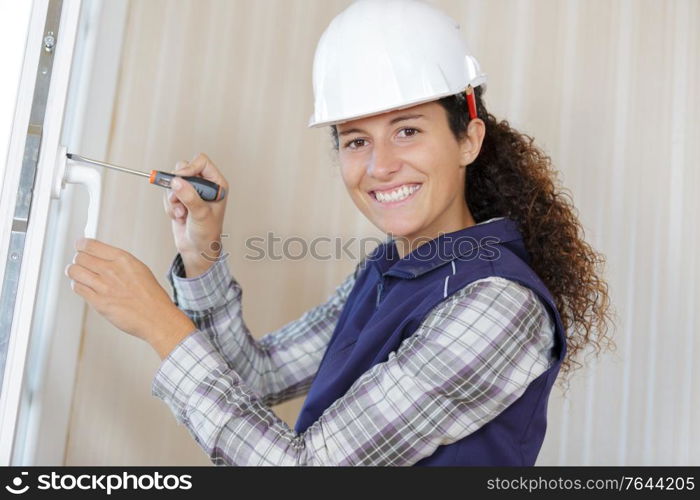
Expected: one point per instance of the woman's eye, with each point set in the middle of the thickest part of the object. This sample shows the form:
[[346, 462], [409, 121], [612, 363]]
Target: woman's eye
[[408, 132], [355, 143]]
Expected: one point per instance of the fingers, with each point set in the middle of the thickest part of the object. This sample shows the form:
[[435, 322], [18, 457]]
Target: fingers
[[174, 207], [186, 193], [98, 249], [84, 291], [202, 166], [183, 199], [83, 276], [90, 262]]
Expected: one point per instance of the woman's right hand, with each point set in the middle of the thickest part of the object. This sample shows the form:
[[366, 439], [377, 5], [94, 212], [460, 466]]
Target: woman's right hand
[[197, 224]]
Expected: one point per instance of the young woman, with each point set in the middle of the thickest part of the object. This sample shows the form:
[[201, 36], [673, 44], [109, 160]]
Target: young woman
[[442, 347]]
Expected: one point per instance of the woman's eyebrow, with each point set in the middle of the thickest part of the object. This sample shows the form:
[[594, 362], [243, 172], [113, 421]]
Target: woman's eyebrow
[[392, 122]]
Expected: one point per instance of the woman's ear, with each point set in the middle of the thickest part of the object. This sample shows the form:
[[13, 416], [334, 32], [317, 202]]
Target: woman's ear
[[472, 141]]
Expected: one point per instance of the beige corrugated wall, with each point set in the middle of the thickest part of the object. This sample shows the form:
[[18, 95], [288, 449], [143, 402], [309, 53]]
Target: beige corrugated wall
[[608, 88]]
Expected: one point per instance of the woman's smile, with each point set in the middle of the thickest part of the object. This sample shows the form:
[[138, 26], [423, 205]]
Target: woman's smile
[[396, 195]]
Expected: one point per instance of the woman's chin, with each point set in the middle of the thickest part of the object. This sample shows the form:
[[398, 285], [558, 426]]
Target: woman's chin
[[399, 229]]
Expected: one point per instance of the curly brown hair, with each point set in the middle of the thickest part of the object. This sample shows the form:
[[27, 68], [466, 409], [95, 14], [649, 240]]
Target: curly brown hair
[[513, 177]]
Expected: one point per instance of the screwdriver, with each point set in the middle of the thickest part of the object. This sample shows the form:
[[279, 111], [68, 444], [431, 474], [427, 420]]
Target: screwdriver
[[207, 190]]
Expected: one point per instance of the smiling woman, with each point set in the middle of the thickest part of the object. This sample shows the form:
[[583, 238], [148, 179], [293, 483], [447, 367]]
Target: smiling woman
[[509, 175], [443, 345]]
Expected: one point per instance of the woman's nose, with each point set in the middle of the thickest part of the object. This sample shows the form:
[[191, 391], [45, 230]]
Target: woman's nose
[[383, 162]]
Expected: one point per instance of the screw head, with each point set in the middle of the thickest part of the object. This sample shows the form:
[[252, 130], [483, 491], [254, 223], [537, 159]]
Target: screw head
[[49, 41]]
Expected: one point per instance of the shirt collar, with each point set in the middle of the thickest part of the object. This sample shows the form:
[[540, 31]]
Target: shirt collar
[[442, 249]]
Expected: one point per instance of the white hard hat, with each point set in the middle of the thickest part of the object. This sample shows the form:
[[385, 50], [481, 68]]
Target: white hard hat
[[382, 55]]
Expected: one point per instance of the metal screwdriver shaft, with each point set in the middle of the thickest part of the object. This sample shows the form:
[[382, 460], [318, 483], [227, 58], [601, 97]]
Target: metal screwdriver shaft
[[75, 157]]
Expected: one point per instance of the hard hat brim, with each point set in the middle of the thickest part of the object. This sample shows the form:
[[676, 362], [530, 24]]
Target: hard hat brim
[[338, 120]]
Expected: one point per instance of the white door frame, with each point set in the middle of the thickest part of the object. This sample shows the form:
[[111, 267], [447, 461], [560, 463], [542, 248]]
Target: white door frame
[[57, 328], [49, 130]]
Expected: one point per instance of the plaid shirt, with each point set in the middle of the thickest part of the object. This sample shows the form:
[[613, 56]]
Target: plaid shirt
[[471, 357]]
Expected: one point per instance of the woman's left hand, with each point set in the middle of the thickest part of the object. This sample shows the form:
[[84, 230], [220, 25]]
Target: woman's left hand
[[123, 290]]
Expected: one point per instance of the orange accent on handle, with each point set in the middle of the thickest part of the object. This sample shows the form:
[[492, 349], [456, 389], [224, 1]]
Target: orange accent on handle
[[152, 178]]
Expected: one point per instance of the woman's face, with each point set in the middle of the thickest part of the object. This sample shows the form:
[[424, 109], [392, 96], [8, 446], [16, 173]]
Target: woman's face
[[404, 171]]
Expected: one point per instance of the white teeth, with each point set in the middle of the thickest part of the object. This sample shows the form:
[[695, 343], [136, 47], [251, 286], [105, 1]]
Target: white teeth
[[397, 194]]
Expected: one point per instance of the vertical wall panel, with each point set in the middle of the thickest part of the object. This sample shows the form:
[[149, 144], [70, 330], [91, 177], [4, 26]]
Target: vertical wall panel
[[607, 88]]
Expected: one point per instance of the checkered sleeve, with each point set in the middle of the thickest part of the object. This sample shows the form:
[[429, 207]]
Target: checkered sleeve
[[472, 357], [282, 363]]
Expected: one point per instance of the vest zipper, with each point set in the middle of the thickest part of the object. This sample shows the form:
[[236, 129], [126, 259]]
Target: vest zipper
[[380, 286]]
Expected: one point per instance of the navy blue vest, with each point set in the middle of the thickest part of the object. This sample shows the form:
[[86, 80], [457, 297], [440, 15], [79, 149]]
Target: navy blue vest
[[390, 299]]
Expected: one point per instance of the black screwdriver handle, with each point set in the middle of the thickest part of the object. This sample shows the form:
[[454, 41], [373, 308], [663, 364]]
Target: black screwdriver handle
[[207, 190]]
